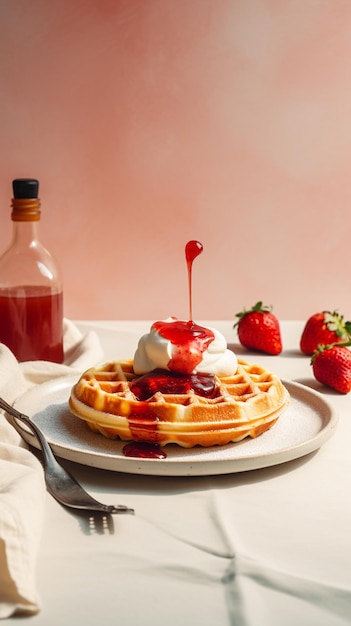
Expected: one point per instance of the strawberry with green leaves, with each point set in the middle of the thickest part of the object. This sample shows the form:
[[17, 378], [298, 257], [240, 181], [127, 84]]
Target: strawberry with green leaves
[[324, 328], [258, 329], [331, 366]]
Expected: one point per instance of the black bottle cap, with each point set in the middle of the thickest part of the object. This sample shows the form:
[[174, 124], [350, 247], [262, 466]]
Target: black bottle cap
[[25, 188]]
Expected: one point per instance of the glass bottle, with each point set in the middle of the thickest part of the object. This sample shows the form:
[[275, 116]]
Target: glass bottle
[[31, 299]]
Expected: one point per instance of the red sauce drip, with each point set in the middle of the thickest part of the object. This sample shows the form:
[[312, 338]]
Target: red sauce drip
[[191, 341], [143, 423], [192, 250], [144, 450], [167, 382]]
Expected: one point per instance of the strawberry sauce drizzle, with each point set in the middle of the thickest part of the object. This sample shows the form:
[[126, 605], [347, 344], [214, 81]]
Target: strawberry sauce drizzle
[[145, 387], [191, 340], [144, 450], [192, 250]]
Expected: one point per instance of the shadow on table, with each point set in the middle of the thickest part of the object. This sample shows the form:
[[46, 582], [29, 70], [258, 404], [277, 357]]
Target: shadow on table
[[94, 523], [241, 351], [312, 383], [127, 484]]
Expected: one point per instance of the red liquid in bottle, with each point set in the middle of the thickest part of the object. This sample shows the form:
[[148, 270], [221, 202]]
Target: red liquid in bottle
[[31, 323]]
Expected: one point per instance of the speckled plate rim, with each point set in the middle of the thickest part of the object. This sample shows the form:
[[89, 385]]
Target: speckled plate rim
[[307, 423]]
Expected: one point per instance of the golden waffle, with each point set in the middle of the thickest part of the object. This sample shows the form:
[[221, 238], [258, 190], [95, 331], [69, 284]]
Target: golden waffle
[[248, 403]]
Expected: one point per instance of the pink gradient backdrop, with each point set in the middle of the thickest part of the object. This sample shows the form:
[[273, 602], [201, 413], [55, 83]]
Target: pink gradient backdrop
[[151, 122]]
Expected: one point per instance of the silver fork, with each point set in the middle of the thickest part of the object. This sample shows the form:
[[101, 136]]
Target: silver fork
[[59, 482]]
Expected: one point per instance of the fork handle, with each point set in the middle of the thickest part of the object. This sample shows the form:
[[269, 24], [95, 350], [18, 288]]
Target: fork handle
[[57, 478], [49, 458]]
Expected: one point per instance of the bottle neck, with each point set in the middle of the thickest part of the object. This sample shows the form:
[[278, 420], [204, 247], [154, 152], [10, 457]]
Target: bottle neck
[[24, 234]]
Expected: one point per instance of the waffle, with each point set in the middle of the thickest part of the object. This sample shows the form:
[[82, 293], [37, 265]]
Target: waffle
[[247, 403]]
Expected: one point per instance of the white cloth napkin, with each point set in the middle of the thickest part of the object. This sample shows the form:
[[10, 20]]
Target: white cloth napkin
[[22, 487]]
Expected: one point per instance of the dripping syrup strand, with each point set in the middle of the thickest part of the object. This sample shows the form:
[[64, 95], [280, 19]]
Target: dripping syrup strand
[[192, 250]]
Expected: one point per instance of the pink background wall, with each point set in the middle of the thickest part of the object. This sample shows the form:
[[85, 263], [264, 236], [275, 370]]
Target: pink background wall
[[151, 122]]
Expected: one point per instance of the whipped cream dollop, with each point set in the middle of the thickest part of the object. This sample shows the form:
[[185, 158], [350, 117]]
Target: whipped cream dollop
[[184, 347]]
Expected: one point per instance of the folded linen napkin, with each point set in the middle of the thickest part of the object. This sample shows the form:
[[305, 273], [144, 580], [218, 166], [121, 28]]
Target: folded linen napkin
[[22, 487]]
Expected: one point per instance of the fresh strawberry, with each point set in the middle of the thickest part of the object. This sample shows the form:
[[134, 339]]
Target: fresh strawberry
[[324, 328], [259, 329], [332, 366]]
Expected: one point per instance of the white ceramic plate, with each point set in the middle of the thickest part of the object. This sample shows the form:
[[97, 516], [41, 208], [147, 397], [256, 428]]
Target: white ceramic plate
[[307, 423]]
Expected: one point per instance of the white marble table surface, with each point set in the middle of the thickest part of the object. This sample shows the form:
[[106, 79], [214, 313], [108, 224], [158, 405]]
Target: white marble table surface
[[268, 547]]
